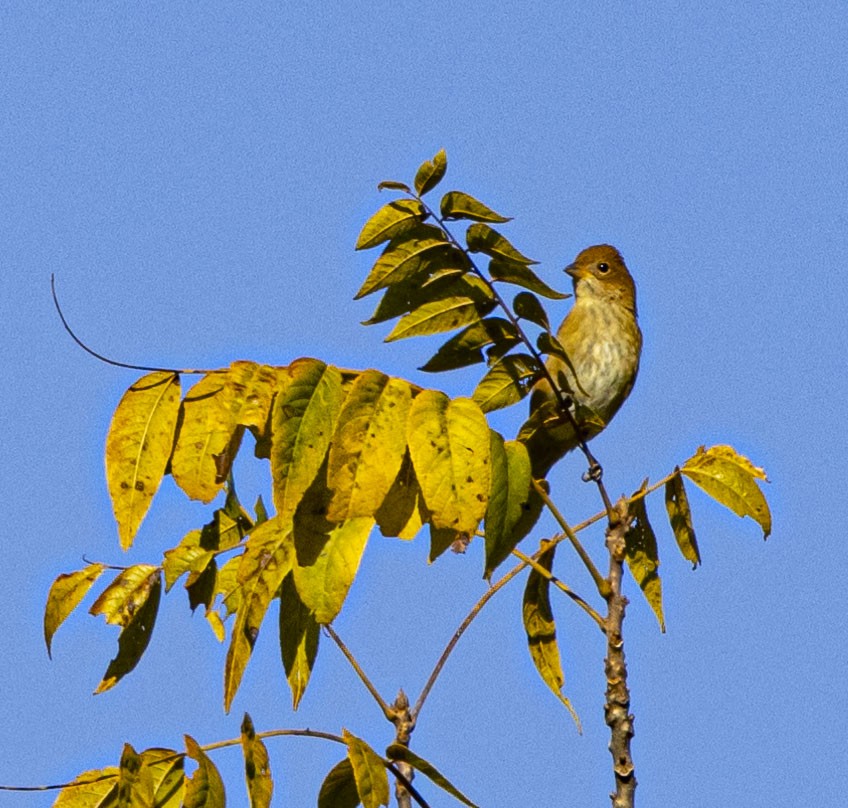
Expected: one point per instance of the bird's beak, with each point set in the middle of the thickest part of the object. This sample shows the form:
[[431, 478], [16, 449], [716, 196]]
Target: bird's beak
[[574, 271]]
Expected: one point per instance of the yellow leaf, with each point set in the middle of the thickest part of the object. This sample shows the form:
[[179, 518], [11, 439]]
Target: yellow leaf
[[459, 205], [250, 391], [299, 635], [369, 444], [398, 752], [402, 512], [138, 446], [187, 556], [730, 478], [65, 595], [390, 221], [643, 559], [257, 769], [165, 768], [91, 789], [450, 448], [680, 517], [127, 593], [484, 239], [205, 788], [430, 173], [508, 381], [372, 782], [135, 785]]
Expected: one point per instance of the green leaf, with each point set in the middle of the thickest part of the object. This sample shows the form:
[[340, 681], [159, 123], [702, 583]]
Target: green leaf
[[369, 445], [402, 512], [527, 306], [430, 174], [482, 238], [393, 185], [402, 754], [299, 635], [548, 344], [339, 787], [138, 446], [541, 629], [730, 478], [65, 595], [459, 205], [643, 558], [508, 499], [521, 275], [266, 561], [509, 380], [413, 253], [445, 314], [205, 788], [372, 783], [257, 769], [466, 347], [450, 448], [303, 419], [391, 220], [133, 603], [680, 518]]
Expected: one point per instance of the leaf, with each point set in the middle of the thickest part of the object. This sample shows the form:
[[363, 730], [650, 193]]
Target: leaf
[[299, 635], [266, 561], [250, 389], [257, 769], [65, 595], [138, 446], [643, 558], [135, 786], [548, 344], [205, 788], [509, 380], [541, 629], [508, 499], [187, 556], [410, 254], [393, 185], [402, 512], [165, 769], [372, 782], [730, 479], [96, 788], [466, 347], [389, 221], [132, 601], [521, 275], [680, 518], [450, 448], [339, 787], [402, 754], [446, 314], [527, 306], [303, 419], [459, 205], [482, 238], [368, 446], [430, 174]]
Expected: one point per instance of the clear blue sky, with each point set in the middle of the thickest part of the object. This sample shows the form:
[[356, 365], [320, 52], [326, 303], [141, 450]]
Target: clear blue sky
[[196, 176]]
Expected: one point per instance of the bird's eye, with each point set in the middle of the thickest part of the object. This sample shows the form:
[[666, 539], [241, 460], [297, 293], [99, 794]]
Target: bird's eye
[[603, 267]]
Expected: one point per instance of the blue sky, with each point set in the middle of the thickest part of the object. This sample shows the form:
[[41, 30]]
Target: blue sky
[[196, 175]]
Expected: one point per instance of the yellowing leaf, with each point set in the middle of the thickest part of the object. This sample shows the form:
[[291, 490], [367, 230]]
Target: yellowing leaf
[[96, 788], [205, 788], [730, 478], [509, 380], [135, 786], [680, 517], [267, 559], [482, 238], [450, 448], [122, 599], [372, 782], [521, 275], [299, 635], [390, 221], [165, 769], [187, 556], [250, 389], [398, 752], [303, 419], [138, 447], [466, 347], [368, 446], [509, 499], [459, 205], [643, 559], [430, 174], [402, 512], [339, 787], [65, 595], [257, 769]]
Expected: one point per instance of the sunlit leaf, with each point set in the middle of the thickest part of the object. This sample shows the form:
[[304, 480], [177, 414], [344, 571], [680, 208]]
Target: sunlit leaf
[[482, 238], [187, 556], [521, 275], [135, 785], [430, 174], [65, 595], [730, 478], [299, 635], [400, 753], [680, 517], [257, 769], [508, 500], [96, 788], [643, 559], [402, 513], [339, 787], [466, 348], [527, 306], [205, 788], [121, 600], [459, 205], [509, 380], [368, 446], [390, 221], [450, 448], [250, 390], [372, 782], [165, 769], [138, 447]]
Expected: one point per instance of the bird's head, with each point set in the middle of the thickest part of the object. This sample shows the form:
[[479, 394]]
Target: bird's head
[[599, 272]]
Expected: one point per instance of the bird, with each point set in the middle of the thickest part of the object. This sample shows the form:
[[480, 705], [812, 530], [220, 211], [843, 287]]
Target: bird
[[600, 336]]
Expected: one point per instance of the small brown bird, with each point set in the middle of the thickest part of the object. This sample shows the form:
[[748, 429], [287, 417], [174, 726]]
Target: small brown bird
[[603, 342]]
